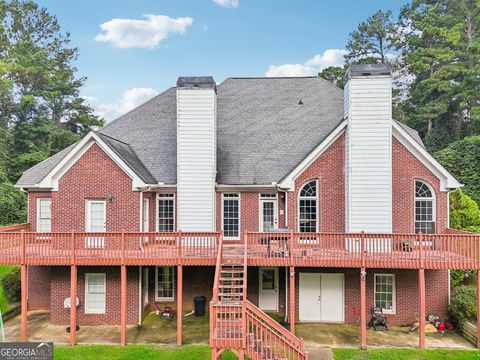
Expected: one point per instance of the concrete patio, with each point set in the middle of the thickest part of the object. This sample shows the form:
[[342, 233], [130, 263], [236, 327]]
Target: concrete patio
[[195, 330]]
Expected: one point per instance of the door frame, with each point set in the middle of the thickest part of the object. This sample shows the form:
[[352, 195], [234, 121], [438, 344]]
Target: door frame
[[261, 201], [276, 284], [320, 303]]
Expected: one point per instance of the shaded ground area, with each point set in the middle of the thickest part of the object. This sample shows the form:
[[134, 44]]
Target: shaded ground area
[[153, 330], [338, 335], [405, 354]]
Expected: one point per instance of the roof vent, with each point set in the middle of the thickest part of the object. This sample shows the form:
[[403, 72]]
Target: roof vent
[[300, 102]]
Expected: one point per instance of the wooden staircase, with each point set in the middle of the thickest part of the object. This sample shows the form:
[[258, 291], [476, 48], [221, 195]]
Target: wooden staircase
[[237, 324]]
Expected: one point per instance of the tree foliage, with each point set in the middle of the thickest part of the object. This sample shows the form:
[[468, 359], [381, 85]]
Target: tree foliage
[[462, 159], [41, 108], [335, 75], [372, 41]]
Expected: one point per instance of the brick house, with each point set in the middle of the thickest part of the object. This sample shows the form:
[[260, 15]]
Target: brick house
[[321, 203]]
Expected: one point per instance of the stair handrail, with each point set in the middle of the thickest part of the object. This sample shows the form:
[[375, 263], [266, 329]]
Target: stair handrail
[[218, 266], [289, 337]]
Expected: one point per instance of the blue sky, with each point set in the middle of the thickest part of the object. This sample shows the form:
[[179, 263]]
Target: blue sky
[[131, 59]]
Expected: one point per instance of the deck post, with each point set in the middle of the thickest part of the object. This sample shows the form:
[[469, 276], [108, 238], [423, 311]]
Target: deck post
[[179, 303], [123, 305], [478, 309], [363, 308], [23, 289], [292, 300], [73, 304], [421, 327]]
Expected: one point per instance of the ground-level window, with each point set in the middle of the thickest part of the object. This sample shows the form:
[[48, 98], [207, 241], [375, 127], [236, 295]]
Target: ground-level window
[[307, 208], [95, 291], [164, 283], [231, 215], [424, 208], [385, 292], [44, 215], [166, 212]]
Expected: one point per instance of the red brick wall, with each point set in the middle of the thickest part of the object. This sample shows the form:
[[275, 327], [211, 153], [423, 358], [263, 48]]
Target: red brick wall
[[38, 288], [60, 289], [406, 168], [407, 311], [93, 176], [328, 170]]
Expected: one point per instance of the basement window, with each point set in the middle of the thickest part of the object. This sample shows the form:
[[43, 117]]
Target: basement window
[[164, 287], [385, 292], [231, 216], [95, 293]]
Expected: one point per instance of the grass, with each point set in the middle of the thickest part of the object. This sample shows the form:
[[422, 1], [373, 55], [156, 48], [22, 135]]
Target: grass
[[195, 330], [404, 354], [134, 352], [4, 305]]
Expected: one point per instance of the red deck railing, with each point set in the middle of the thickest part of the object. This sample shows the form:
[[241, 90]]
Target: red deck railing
[[404, 251]]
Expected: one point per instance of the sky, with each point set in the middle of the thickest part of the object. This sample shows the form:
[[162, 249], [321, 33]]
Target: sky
[[131, 50]]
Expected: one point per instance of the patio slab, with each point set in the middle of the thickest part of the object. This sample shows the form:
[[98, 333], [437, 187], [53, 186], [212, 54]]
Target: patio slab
[[340, 335]]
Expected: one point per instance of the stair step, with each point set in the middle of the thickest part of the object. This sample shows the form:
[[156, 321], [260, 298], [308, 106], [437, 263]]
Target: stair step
[[231, 294], [231, 271], [231, 279], [231, 286]]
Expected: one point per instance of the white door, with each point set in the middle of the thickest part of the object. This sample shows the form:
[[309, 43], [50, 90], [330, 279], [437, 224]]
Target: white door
[[146, 219], [309, 297], [268, 214], [268, 289], [321, 297], [95, 222], [331, 297]]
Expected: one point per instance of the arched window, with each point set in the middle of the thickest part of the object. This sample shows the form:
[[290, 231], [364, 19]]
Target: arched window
[[307, 206], [424, 208]]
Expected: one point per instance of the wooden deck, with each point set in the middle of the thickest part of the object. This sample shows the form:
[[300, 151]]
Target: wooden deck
[[403, 251]]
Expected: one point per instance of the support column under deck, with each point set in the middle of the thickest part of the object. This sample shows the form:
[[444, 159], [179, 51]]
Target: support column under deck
[[421, 290], [478, 309], [179, 303], [292, 299], [363, 309], [123, 305], [73, 304], [24, 309]]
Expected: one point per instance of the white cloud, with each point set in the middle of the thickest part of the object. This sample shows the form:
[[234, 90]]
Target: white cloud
[[227, 3], [331, 57], [131, 99], [129, 33]]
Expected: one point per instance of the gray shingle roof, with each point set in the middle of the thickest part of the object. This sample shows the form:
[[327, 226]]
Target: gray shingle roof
[[265, 127]]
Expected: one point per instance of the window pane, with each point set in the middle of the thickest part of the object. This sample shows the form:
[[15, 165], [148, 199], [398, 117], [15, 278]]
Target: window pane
[[44, 217], [166, 213], [231, 216], [165, 283], [384, 289]]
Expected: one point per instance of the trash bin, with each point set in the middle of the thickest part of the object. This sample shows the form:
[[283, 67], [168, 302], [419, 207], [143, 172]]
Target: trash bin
[[199, 305]]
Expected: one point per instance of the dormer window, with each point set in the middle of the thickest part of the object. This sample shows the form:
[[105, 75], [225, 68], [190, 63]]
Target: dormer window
[[424, 208]]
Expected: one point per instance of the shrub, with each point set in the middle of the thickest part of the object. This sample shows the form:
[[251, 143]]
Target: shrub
[[464, 212], [464, 302], [11, 285]]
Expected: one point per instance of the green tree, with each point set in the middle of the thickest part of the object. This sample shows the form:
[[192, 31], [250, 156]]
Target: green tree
[[462, 159], [372, 42], [440, 49], [41, 108], [335, 75], [464, 212]]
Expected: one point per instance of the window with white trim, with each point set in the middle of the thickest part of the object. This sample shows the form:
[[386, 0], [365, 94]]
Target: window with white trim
[[231, 215], [166, 212], [95, 293], [385, 292], [424, 208], [44, 215], [307, 208], [164, 287]]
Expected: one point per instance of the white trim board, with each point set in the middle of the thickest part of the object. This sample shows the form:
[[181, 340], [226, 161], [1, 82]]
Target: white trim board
[[289, 181], [447, 181], [50, 181]]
